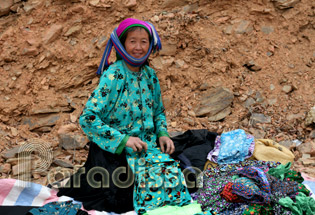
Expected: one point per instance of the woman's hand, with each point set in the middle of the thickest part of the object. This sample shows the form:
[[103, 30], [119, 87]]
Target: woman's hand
[[167, 145], [137, 144]]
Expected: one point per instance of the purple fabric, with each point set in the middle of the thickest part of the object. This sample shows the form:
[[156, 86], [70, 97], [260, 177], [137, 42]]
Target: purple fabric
[[131, 21], [213, 155]]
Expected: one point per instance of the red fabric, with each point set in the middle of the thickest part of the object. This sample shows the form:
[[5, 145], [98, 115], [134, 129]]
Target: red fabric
[[228, 195]]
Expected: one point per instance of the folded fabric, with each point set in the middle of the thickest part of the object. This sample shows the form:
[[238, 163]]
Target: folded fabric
[[284, 172], [228, 195], [191, 209], [58, 208], [214, 154], [303, 204], [234, 146], [269, 150]]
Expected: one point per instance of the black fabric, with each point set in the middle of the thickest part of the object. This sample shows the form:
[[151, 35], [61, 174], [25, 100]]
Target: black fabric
[[191, 149], [15, 210], [111, 199]]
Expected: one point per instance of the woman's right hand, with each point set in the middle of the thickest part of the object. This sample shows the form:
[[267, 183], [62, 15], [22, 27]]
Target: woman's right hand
[[137, 144]]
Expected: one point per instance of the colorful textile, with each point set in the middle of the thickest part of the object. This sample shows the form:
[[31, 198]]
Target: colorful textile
[[302, 204], [155, 44], [248, 194], [248, 183], [284, 172], [191, 209], [228, 195], [269, 150], [58, 208], [213, 154], [136, 110], [234, 146], [21, 193]]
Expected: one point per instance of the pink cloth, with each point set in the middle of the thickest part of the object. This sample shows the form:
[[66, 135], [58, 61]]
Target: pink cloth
[[131, 21]]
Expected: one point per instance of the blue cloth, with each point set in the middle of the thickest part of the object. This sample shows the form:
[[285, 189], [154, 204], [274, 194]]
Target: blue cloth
[[234, 146], [57, 208]]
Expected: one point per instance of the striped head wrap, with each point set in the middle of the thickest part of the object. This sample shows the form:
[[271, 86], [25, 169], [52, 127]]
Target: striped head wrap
[[155, 44]]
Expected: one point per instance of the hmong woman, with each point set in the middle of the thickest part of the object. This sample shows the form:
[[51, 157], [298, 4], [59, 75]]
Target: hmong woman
[[125, 115]]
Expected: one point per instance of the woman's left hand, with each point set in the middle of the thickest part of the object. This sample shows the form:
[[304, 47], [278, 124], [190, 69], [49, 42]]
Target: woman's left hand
[[167, 145]]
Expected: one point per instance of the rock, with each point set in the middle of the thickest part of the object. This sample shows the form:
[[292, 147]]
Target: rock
[[5, 168], [258, 134], [52, 33], [189, 121], [32, 51], [167, 101], [175, 133], [287, 143], [168, 50], [191, 113], [94, 2], [249, 102], [63, 163], [67, 129], [221, 115], [157, 63], [155, 19], [259, 98], [214, 101], [287, 88], [101, 42], [306, 147], [21, 168], [252, 66], [204, 86], [11, 153], [310, 117], [5, 6], [72, 141], [259, 118], [31, 4], [190, 8], [267, 29], [285, 4], [40, 121], [228, 30], [272, 87], [73, 30], [14, 131], [312, 134], [272, 101], [244, 27], [173, 3], [179, 63], [130, 3], [295, 116], [173, 124]]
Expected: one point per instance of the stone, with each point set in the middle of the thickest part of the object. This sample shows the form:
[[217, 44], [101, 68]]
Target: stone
[[43, 120], [286, 143], [287, 88], [310, 117], [249, 102], [306, 147], [130, 3], [5, 6], [272, 101], [52, 33], [228, 30], [179, 63], [155, 18], [285, 4], [21, 168], [168, 50], [101, 42], [11, 153], [31, 4], [252, 66], [267, 29], [72, 141], [189, 121], [67, 129], [173, 124], [63, 163], [73, 30], [272, 87], [221, 115], [257, 133], [157, 63], [167, 101], [32, 51], [259, 118], [295, 116], [94, 2], [190, 8], [191, 113], [173, 3], [243, 27], [214, 101], [5, 168], [312, 134]]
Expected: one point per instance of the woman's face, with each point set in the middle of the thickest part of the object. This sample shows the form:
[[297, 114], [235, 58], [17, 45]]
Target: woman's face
[[137, 43]]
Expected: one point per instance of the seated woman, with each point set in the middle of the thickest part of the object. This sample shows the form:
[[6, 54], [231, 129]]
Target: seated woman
[[125, 115]]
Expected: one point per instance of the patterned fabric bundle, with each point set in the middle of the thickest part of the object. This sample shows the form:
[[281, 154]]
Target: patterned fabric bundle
[[155, 44]]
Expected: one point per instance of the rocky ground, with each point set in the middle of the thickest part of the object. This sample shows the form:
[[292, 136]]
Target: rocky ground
[[225, 64]]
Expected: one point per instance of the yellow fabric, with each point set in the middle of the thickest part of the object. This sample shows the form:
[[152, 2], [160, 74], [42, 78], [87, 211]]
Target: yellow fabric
[[210, 165], [269, 150]]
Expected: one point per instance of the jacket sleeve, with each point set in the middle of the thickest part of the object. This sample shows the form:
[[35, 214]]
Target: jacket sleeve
[[98, 107], [159, 110]]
